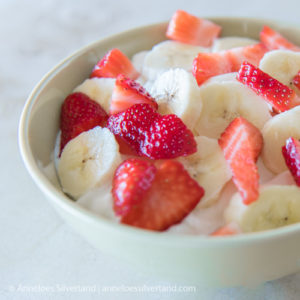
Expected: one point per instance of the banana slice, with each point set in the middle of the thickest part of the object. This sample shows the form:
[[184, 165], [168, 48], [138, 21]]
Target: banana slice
[[229, 42], [282, 65], [209, 168], [99, 90], [138, 60], [223, 99], [88, 160], [275, 132], [277, 205], [284, 178], [176, 92], [167, 55]]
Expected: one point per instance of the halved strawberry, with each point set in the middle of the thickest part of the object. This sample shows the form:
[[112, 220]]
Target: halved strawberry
[[79, 113], [296, 80], [168, 137], [154, 198], [132, 180], [130, 124], [186, 28], [280, 96], [274, 40], [291, 154], [114, 63], [206, 65], [124, 147], [126, 93], [153, 135], [241, 143]]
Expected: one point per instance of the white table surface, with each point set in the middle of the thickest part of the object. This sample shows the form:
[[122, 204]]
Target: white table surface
[[38, 252]]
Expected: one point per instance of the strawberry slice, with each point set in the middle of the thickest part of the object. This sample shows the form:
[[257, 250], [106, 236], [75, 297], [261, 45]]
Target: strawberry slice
[[291, 154], [188, 29], [124, 147], [241, 143], [154, 198], [207, 65], [280, 96], [132, 180], [114, 63], [152, 135], [168, 137], [296, 80], [79, 113], [130, 124], [274, 40], [252, 53], [126, 93]]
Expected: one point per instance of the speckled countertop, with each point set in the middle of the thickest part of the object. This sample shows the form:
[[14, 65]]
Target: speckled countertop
[[40, 256]]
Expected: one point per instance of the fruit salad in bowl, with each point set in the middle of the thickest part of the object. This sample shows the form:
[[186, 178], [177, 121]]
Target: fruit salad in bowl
[[187, 143], [172, 129]]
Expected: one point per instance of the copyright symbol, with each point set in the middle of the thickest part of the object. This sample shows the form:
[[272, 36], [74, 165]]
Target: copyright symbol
[[11, 288]]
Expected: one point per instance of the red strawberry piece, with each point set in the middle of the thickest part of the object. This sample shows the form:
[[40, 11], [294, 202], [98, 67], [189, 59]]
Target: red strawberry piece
[[224, 231], [207, 65], [241, 143], [114, 63], [252, 53], [291, 154], [124, 147], [296, 80], [132, 180], [154, 198], [126, 93], [168, 137], [78, 114], [153, 135], [280, 96], [186, 28], [274, 40], [130, 124]]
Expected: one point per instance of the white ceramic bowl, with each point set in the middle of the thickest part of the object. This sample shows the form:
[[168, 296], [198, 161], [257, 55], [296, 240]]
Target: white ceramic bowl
[[218, 261]]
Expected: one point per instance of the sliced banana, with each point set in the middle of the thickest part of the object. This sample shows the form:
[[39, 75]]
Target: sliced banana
[[99, 90], [277, 205], [148, 85], [88, 161], [209, 168], [265, 175], [282, 65], [275, 132], [176, 92], [138, 60], [167, 55], [284, 178], [223, 99], [229, 42]]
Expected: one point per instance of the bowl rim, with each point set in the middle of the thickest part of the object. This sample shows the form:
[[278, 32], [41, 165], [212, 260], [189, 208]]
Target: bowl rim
[[62, 201]]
